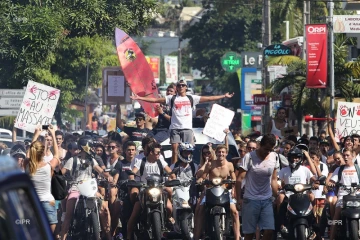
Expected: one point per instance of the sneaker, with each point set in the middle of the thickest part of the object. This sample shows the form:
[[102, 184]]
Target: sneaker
[[283, 229]]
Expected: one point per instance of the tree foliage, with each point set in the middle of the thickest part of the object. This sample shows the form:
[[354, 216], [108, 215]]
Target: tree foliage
[[46, 41]]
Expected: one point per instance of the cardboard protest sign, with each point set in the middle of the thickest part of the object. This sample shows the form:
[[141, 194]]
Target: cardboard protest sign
[[38, 106], [347, 119], [219, 119]]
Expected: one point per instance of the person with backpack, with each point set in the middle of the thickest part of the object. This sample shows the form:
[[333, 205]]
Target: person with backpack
[[181, 110], [80, 168], [150, 164], [41, 173], [344, 175]]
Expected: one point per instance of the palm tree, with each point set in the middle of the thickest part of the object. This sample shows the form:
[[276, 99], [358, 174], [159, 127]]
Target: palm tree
[[316, 101]]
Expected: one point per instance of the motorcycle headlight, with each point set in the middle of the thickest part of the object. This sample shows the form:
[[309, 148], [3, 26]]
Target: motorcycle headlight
[[216, 181], [154, 192], [353, 204], [298, 187]]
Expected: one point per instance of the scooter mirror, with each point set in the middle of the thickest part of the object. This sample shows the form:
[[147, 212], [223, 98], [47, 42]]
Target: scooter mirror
[[322, 180]]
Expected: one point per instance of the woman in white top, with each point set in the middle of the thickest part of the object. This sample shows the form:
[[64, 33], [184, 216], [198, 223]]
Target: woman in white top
[[41, 172], [278, 123]]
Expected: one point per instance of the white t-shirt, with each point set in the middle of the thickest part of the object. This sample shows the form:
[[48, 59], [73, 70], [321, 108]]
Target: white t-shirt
[[185, 173], [139, 157], [301, 175], [349, 176], [149, 169], [79, 173], [318, 192], [258, 175], [182, 113]]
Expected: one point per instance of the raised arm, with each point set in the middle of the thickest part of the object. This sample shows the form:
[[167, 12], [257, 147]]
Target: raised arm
[[147, 99], [55, 161], [332, 137], [14, 133], [119, 122], [215, 98]]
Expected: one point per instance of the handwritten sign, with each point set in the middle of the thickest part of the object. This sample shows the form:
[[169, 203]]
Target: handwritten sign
[[38, 106], [219, 119], [347, 119]]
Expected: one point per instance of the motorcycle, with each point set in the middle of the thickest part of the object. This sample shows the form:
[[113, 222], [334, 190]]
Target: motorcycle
[[217, 208], [85, 223], [152, 200], [350, 214], [182, 211], [300, 217]]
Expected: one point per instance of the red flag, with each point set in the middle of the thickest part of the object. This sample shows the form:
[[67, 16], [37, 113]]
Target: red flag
[[316, 55]]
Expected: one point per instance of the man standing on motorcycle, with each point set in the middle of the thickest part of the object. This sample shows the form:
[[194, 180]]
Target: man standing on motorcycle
[[79, 170], [259, 171], [223, 169], [349, 175], [294, 173], [151, 166]]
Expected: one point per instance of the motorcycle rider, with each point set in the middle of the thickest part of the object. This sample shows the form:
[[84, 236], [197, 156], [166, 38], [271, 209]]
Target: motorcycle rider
[[151, 164], [349, 175], [294, 173], [218, 168], [83, 169], [187, 168]]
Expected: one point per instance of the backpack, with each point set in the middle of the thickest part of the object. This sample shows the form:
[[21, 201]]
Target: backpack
[[173, 100], [342, 169], [142, 166], [58, 186], [192, 166]]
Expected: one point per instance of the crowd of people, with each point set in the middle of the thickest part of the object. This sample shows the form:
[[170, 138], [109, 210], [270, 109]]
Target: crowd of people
[[257, 195]]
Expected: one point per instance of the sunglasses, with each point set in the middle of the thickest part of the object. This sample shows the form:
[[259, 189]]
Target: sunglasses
[[156, 153], [111, 147], [251, 148], [181, 85], [139, 119], [206, 153]]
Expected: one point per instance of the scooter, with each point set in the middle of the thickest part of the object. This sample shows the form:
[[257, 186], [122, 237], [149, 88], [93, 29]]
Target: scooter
[[182, 211], [350, 214], [217, 212], [299, 212]]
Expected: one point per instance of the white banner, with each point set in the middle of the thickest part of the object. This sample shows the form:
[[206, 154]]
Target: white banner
[[220, 118], [171, 69], [347, 119], [346, 23], [38, 106]]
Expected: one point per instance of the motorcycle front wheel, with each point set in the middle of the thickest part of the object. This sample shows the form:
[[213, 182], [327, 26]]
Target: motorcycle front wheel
[[156, 226], [216, 231], [95, 226], [300, 232], [353, 229]]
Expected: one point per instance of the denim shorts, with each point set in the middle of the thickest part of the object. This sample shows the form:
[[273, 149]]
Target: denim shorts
[[257, 213], [50, 211]]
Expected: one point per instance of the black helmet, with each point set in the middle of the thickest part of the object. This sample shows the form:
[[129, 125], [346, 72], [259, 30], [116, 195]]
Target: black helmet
[[85, 143], [295, 153]]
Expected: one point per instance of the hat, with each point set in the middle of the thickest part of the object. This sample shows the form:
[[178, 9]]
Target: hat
[[324, 141], [140, 114], [18, 149], [238, 138], [303, 141], [181, 81], [72, 146]]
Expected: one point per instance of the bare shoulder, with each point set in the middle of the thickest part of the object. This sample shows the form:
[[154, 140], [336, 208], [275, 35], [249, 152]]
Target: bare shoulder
[[230, 166]]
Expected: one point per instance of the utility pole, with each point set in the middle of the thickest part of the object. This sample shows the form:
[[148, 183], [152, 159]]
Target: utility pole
[[86, 86], [265, 73], [306, 20], [331, 48]]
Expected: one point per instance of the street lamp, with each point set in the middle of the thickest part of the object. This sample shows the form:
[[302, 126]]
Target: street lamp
[[87, 53]]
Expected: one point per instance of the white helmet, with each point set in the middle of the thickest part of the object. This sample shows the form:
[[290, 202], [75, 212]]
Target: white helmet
[[185, 147]]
